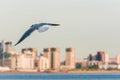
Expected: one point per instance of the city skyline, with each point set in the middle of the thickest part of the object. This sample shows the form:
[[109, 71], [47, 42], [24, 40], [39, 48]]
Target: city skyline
[[87, 25], [50, 59], [11, 49]]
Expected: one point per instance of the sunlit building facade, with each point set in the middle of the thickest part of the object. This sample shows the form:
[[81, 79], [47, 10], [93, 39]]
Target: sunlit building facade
[[53, 55], [70, 57], [43, 64], [30, 51]]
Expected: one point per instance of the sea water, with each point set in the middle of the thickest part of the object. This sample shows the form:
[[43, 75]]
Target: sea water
[[60, 76]]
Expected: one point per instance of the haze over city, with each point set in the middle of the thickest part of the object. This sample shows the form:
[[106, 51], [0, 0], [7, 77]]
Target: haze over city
[[86, 25]]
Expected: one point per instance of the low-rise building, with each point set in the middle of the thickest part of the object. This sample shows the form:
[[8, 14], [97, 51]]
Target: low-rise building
[[81, 63]]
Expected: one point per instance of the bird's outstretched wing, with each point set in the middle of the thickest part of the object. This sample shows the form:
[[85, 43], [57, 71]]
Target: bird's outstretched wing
[[34, 27], [26, 34], [51, 24], [43, 29]]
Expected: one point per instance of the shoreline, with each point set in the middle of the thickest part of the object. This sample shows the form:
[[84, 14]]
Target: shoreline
[[94, 71], [77, 71]]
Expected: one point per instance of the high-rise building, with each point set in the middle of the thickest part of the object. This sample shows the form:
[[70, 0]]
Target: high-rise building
[[53, 55], [43, 64], [55, 58], [24, 62], [106, 58], [30, 51], [8, 47], [19, 61], [47, 54], [9, 62], [1, 48], [6, 50], [100, 56], [70, 57]]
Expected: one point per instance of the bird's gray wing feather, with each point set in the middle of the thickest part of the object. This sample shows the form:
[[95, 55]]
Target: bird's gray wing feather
[[43, 29], [25, 35]]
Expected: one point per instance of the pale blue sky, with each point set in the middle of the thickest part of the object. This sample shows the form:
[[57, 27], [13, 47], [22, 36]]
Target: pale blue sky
[[87, 25]]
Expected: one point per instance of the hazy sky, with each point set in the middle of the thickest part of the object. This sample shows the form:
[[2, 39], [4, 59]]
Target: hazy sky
[[87, 25]]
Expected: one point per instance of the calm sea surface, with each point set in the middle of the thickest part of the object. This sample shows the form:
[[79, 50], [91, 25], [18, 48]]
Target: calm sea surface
[[59, 76]]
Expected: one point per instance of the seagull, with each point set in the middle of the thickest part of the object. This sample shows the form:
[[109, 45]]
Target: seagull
[[40, 27]]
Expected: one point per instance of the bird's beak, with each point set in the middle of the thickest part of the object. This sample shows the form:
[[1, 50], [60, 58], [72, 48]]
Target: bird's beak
[[54, 24]]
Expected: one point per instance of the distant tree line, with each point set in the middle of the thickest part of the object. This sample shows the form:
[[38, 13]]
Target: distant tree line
[[92, 67]]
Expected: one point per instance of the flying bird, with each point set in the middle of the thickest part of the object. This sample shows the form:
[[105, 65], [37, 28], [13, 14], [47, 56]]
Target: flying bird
[[40, 27]]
